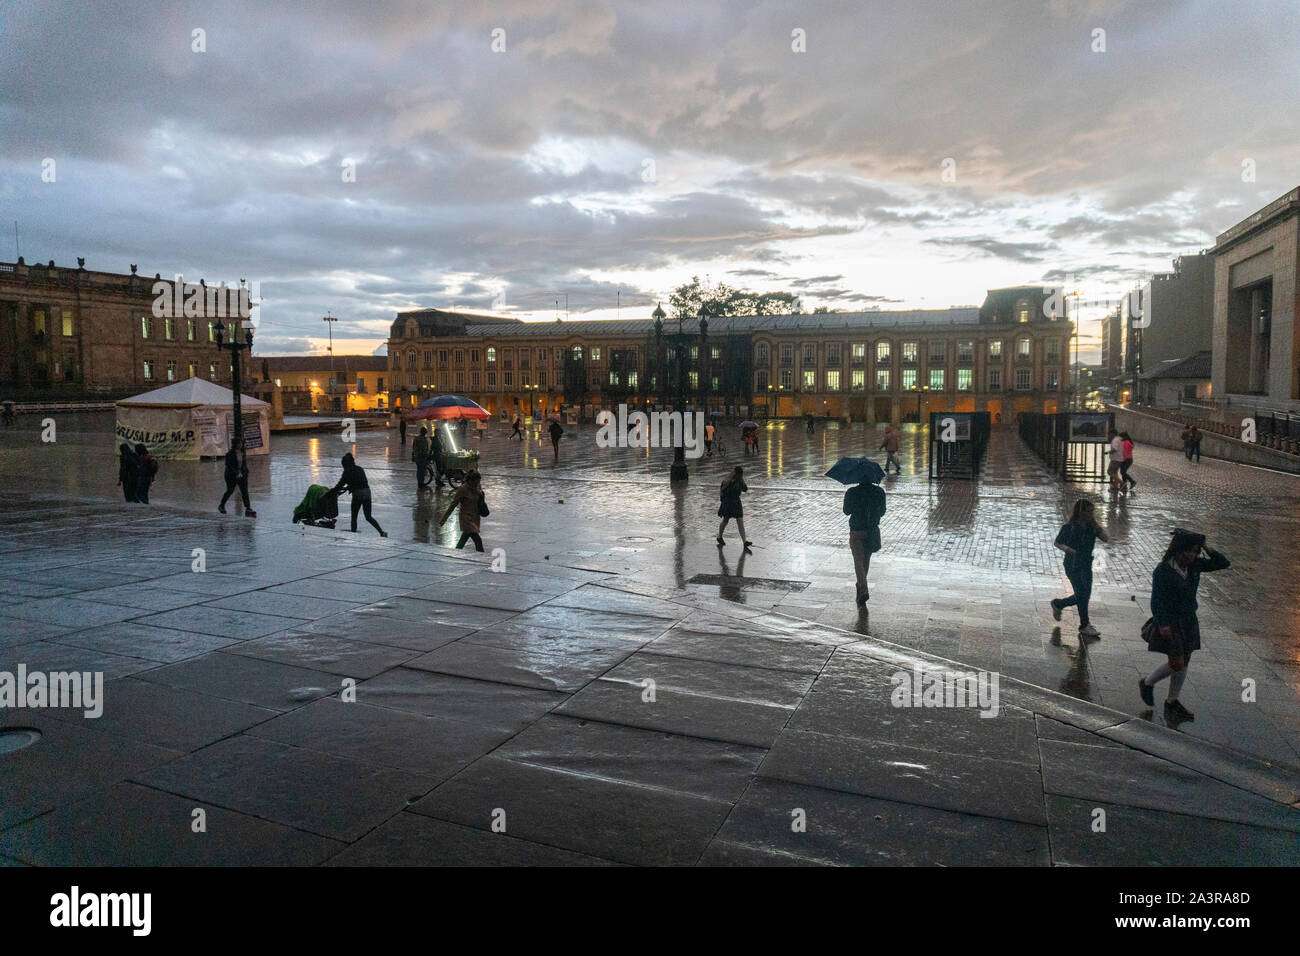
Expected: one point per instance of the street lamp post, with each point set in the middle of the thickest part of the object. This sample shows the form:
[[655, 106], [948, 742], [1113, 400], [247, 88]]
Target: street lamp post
[[679, 471], [234, 346]]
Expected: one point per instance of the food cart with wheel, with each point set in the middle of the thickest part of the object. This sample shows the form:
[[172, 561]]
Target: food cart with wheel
[[449, 416]]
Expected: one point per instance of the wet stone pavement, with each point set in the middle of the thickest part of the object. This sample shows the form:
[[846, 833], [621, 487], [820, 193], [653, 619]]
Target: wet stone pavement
[[625, 691]]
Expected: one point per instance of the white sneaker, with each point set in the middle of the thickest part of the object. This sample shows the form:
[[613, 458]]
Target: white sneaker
[[1089, 631]]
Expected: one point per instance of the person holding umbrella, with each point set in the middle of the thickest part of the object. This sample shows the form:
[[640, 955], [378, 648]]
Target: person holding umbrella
[[864, 503]]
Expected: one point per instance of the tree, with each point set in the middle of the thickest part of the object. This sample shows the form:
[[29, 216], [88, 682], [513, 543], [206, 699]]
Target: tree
[[721, 299]]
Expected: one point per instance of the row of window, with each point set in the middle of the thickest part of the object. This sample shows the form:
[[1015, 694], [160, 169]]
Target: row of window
[[40, 322], [171, 369], [909, 352], [149, 326], [908, 380], [832, 380]]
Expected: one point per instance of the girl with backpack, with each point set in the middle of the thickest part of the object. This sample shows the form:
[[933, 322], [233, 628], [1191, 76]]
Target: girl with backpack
[[470, 499]]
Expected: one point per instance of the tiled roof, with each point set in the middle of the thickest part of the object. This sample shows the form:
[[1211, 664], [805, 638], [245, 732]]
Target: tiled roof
[[720, 325], [1194, 366]]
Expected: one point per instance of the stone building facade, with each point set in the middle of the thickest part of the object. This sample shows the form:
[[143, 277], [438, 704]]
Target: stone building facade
[[1256, 308], [1007, 356], [90, 331]]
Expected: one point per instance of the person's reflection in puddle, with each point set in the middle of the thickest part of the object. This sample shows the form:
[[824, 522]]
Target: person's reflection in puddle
[[732, 589]]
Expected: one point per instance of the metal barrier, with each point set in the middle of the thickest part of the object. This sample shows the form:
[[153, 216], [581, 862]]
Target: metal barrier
[[958, 442], [1074, 445]]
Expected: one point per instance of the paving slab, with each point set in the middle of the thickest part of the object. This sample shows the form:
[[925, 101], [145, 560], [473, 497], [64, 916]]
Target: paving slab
[[67, 762], [1135, 836], [946, 781], [1136, 779], [324, 652], [481, 703], [330, 796], [706, 768], [432, 747], [131, 825], [844, 829], [267, 684], [412, 839], [142, 641], [222, 622], [547, 665], [583, 814]]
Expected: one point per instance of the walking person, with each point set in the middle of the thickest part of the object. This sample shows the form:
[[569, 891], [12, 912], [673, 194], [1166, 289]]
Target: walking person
[[1126, 462], [354, 481], [864, 503], [890, 446], [1077, 538], [709, 432], [420, 449], [809, 420], [237, 477], [1196, 445], [732, 488], [1116, 462], [518, 429], [128, 472], [1173, 629], [1187, 442], [148, 469], [556, 431], [401, 427], [470, 500]]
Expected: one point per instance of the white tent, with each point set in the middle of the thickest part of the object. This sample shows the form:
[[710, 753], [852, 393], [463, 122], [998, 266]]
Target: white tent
[[191, 419]]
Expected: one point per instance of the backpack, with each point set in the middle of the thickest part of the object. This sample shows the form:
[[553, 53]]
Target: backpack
[[149, 465]]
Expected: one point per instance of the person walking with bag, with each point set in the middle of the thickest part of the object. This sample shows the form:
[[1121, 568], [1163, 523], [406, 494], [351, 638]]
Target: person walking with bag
[[237, 477], [864, 503], [1077, 538], [469, 498], [354, 481], [1116, 462], [1173, 628], [732, 488]]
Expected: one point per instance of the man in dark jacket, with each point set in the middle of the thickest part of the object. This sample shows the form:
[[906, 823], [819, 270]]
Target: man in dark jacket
[[401, 427], [436, 456], [237, 476], [420, 449], [556, 431], [865, 506]]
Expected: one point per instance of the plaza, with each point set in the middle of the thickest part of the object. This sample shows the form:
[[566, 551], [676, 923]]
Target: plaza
[[625, 691]]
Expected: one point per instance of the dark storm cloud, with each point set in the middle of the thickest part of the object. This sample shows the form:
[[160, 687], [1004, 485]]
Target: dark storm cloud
[[522, 170]]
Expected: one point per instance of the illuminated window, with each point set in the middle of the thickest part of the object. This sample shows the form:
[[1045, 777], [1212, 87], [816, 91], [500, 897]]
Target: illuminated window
[[882, 353], [1022, 348], [936, 378], [964, 379], [491, 356], [809, 380], [67, 324], [171, 370], [909, 353], [833, 380], [882, 380], [148, 370], [909, 378], [859, 380], [995, 348], [191, 331]]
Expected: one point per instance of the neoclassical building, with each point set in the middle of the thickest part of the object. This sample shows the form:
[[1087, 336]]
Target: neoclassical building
[[1009, 355]]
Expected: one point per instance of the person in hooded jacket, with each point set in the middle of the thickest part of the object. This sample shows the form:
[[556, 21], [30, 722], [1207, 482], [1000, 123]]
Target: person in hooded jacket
[[354, 481], [148, 469], [128, 472]]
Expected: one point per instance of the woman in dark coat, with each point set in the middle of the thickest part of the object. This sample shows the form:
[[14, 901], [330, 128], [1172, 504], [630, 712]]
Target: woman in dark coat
[[730, 508], [148, 468], [865, 506], [1173, 629], [128, 472], [354, 481]]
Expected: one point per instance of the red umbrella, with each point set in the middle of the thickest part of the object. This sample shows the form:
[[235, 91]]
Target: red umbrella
[[442, 407]]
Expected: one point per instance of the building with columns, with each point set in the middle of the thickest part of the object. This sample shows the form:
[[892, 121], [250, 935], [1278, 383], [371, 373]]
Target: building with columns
[[80, 330], [1007, 356]]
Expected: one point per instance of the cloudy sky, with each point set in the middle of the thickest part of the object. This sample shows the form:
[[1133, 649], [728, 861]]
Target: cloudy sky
[[363, 158]]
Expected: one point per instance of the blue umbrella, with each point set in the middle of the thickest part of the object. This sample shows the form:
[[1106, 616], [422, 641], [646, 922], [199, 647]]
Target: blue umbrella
[[855, 471]]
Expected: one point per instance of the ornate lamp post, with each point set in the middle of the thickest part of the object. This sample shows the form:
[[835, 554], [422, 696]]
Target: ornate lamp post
[[234, 346]]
